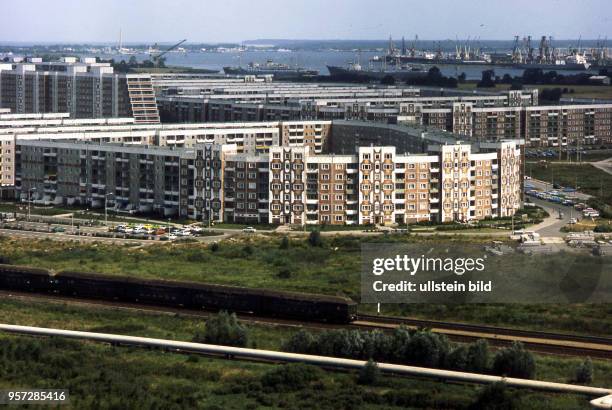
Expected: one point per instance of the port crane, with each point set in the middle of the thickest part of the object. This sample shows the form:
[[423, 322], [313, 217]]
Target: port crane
[[156, 58]]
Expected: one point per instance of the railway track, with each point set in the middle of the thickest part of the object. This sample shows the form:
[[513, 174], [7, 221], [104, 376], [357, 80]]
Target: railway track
[[467, 327], [541, 342]]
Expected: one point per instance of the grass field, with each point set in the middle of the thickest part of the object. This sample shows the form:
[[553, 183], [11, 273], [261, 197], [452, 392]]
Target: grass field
[[590, 180], [205, 382], [257, 261]]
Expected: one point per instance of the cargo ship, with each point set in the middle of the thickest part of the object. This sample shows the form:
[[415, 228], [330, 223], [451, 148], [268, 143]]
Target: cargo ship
[[355, 72], [278, 70]]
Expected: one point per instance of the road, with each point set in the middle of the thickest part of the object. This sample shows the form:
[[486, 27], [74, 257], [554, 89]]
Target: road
[[42, 231], [552, 225], [605, 165]]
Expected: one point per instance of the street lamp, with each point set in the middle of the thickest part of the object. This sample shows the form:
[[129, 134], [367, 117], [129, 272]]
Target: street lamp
[[30, 201]]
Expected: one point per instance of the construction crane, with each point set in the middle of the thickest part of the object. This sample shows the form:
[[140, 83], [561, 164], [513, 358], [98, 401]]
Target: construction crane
[[156, 58]]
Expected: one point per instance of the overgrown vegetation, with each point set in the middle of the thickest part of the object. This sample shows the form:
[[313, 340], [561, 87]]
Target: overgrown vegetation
[[332, 268], [223, 329], [105, 377], [417, 348]]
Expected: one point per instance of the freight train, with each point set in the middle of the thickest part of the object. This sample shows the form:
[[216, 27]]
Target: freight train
[[189, 295]]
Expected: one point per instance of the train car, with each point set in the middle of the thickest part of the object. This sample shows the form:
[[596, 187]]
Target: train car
[[263, 302], [290, 305], [25, 279]]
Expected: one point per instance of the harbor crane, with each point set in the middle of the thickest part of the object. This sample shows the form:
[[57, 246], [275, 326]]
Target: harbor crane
[[157, 58]]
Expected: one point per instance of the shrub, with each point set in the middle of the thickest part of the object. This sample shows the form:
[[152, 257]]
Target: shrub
[[495, 397], [314, 239], [369, 374], [514, 361], [603, 228], [301, 342], [284, 273], [214, 247], [584, 371], [284, 243], [223, 329], [293, 376], [478, 357], [458, 358], [428, 349]]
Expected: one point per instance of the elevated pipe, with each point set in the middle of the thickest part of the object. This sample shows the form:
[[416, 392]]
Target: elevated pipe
[[319, 361]]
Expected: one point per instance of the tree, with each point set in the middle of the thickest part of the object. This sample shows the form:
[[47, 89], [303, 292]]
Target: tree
[[488, 79], [301, 342], [132, 61], [214, 247], [516, 85], [314, 239], [584, 371], [551, 94], [388, 80], [427, 349], [458, 358], [369, 374], [223, 329], [514, 361], [478, 356], [461, 78]]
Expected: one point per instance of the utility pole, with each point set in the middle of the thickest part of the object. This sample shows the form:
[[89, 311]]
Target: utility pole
[[30, 201], [106, 210]]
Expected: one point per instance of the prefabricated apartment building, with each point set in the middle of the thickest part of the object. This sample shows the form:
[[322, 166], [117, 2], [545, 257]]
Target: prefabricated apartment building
[[294, 172]]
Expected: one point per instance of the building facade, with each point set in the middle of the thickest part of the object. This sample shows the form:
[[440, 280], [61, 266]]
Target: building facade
[[83, 89], [287, 185]]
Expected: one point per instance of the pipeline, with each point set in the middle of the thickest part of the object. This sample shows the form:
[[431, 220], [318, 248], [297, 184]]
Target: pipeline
[[228, 351]]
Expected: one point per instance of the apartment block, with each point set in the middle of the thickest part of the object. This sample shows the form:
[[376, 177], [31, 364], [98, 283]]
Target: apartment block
[[249, 138], [376, 174], [83, 89]]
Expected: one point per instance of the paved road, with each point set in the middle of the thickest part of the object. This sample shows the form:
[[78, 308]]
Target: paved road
[[551, 226], [605, 165], [68, 236], [546, 186]]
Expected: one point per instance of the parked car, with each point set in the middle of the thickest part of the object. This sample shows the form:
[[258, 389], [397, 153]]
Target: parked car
[[573, 221], [58, 229], [249, 229]]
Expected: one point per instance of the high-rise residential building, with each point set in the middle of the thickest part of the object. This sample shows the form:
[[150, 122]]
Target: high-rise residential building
[[287, 185], [83, 89], [250, 138]]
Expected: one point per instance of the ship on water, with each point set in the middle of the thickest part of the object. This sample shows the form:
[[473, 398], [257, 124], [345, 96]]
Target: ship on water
[[355, 72], [523, 56], [279, 70]]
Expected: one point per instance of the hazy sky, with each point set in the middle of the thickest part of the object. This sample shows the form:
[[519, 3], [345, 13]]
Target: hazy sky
[[235, 20]]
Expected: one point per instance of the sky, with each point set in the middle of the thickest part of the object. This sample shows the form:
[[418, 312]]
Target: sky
[[237, 20]]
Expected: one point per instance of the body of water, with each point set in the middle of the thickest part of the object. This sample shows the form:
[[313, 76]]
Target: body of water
[[318, 60]]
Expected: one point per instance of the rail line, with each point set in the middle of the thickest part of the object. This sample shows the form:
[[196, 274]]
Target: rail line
[[540, 342], [500, 331]]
